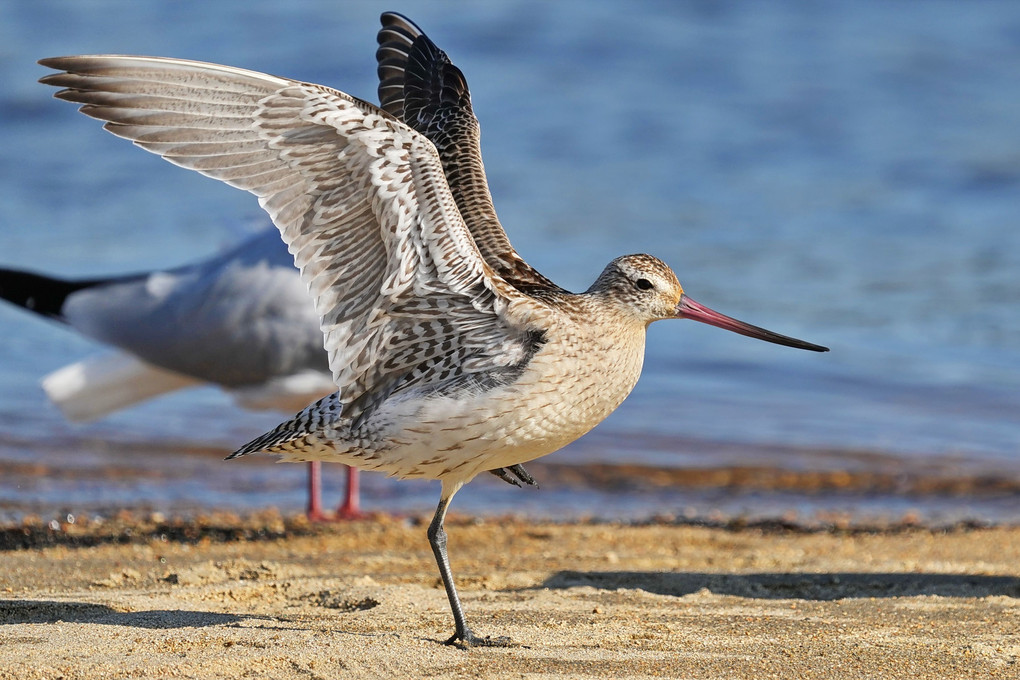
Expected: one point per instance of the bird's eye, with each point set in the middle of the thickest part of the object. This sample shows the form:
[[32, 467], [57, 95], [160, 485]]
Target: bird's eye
[[644, 284]]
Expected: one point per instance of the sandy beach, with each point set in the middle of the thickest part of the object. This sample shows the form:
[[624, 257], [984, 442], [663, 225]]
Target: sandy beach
[[273, 597]]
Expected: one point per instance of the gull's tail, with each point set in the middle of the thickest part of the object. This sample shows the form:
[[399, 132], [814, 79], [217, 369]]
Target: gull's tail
[[43, 295]]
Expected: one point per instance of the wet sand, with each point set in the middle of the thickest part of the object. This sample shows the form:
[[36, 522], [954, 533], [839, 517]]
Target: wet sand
[[272, 597]]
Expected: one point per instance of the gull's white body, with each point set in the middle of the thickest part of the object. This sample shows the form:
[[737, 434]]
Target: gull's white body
[[241, 321]]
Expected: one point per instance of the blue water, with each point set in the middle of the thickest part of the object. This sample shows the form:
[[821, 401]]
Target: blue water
[[848, 173]]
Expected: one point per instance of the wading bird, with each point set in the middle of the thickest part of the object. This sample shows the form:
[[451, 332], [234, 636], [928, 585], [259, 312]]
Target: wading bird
[[452, 356]]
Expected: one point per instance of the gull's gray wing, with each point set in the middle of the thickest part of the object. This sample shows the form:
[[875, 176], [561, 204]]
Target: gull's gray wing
[[403, 294], [419, 85], [241, 318]]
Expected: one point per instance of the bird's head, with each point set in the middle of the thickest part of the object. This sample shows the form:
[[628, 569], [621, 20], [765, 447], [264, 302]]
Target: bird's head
[[646, 289]]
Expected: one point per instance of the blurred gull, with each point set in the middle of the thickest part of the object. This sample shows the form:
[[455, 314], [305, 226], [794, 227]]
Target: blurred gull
[[242, 321]]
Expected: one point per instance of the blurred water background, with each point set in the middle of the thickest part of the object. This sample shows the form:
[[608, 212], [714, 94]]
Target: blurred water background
[[848, 173]]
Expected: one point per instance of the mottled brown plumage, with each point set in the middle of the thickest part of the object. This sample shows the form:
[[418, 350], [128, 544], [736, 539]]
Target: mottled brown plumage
[[451, 355]]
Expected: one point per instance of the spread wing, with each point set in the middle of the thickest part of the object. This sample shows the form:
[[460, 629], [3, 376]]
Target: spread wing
[[403, 294], [420, 86]]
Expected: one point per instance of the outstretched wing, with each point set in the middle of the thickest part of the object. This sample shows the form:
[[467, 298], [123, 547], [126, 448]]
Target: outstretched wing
[[420, 86], [361, 200]]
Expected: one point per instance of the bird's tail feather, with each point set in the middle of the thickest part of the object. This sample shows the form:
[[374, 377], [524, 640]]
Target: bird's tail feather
[[97, 386], [299, 433]]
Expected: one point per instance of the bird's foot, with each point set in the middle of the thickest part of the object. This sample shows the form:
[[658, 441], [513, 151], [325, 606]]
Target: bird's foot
[[349, 511], [318, 516], [519, 472], [467, 640], [345, 513]]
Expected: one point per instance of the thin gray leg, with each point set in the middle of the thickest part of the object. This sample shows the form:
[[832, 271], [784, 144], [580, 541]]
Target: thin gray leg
[[462, 636]]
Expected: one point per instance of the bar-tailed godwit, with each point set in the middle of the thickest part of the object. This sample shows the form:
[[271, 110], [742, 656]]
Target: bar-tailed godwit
[[451, 355]]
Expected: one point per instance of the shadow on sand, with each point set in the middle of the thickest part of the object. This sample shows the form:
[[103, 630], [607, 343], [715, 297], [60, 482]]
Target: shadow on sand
[[52, 611], [805, 586]]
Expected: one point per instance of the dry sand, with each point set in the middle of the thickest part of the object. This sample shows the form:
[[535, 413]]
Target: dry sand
[[265, 597]]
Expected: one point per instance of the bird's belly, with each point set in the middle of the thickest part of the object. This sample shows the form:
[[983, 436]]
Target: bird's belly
[[457, 437]]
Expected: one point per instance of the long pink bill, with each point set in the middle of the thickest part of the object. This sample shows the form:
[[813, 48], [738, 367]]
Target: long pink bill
[[689, 309]]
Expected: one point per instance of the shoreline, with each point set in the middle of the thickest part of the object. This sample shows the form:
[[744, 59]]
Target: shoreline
[[877, 491], [134, 527], [268, 595]]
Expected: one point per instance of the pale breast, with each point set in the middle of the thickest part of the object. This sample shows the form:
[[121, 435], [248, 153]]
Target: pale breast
[[574, 381]]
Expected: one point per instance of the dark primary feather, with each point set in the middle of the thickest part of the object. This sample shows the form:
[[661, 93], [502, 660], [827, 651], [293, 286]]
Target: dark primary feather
[[420, 86]]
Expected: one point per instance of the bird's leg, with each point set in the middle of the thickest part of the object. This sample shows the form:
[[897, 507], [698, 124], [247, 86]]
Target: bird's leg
[[314, 512], [350, 509], [519, 472], [462, 636]]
